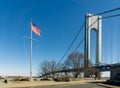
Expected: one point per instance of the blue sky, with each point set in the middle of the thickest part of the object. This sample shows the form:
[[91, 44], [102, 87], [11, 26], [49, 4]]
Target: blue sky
[[59, 21]]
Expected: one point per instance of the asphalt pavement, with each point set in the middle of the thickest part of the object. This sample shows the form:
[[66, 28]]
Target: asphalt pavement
[[88, 85]]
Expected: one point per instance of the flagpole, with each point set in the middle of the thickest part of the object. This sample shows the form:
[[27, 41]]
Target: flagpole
[[30, 51]]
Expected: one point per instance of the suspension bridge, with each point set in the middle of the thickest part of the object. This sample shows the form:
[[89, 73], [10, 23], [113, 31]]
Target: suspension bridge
[[101, 48]]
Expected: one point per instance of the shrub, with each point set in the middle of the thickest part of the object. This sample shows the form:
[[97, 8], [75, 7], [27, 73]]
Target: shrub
[[24, 79], [45, 79], [35, 79], [5, 81], [62, 79], [16, 78]]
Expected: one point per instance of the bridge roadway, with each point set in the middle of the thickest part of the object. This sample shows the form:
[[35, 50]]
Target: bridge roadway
[[102, 67]]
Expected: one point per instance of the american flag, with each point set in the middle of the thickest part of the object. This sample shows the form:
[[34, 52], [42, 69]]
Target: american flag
[[35, 29]]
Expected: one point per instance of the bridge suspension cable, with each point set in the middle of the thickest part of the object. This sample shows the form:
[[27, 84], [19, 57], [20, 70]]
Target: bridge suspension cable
[[71, 44], [111, 43], [118, 41]]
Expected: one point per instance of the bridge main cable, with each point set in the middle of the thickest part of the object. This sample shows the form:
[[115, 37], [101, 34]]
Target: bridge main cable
[[81, 29], [71, 44], [108, 11]]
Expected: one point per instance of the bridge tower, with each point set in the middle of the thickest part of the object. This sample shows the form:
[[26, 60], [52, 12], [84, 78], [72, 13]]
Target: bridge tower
[[93, 22]]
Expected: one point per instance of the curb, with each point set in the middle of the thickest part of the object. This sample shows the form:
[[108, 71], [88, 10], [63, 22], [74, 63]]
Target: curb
[[107, 85]]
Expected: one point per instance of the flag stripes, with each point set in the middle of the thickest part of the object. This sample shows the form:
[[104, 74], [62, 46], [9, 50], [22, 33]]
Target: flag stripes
[[35, 29]]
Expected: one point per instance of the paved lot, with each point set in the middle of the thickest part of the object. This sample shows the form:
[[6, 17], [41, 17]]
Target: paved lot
[[89, 85], [82, 83]]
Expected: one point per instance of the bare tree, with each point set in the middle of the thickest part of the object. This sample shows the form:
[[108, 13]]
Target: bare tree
[[47, 68], [92, 72], [43, 68], [75, 61], [52, 67]]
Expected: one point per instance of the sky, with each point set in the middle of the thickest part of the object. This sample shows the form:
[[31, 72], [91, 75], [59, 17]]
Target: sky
[[59, 21]]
